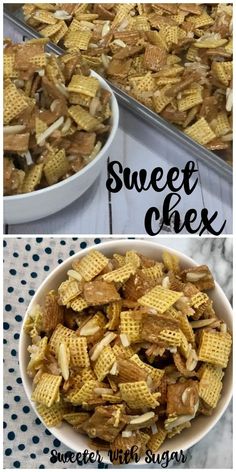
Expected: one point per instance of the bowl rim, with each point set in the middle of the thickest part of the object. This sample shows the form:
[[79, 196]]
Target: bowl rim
[[82, 252], [80, 173]]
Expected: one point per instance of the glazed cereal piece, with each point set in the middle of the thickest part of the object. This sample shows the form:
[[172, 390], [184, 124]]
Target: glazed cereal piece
[[52, 312], [99, 292], [91, 265], [47, 390], [100, 425], [137, 285], [76, 418], [82, 395], [61, 333], [131, 326], [159, 298], [200, 276], [69, 290], [153, 325], [104, 363], [210, 385], [54, 415], [182, 398], [157, 439]]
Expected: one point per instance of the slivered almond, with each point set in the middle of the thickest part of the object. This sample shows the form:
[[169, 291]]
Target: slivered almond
[[41, 138], [103, 343], [124, 340], [62, 15], [63, 358], [195, 276], [126, 434], [143, 418], [202, 323], [192, 360], [114, 369], [103, 391], [166, 282], [74, 274], [154, 428]]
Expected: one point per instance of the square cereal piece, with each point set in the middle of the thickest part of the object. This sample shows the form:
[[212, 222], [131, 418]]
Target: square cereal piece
[[200, 132], [182, 398], [157, 439], [91, 265], [68, 290], [56, 167], [78, 39], [155, 374], [52, 312], [160, 298], [60, 334], [99, 292], [104, 363], [190, 101], [215, 348], [76, 419], [120, 275], [47, 389], [52, 416], [170, 337], [131, 325], [37, 355], [171, 261], [199, 299], [137, 395], [78, 351], [210, 385], [14, 103], [50, 30], [88, 86], [154, 57], [83, 395], [32, 178], [153, 325], [78, 304]]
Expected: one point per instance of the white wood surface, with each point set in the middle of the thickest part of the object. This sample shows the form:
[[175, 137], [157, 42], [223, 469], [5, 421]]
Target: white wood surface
[[137, 146]]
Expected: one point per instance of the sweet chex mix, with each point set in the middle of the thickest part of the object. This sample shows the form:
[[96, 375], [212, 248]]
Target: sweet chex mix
[[56, 115], [128, 349], [176, 59]]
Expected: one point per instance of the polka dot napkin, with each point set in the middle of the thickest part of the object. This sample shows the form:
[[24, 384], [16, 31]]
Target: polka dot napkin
[[27, 444]]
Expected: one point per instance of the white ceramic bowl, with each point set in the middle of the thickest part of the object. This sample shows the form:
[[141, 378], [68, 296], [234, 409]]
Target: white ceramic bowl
[[41, 203], [201, 425]]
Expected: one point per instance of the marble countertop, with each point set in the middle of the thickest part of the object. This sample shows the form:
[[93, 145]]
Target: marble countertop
[[27, 262], [137, 145]]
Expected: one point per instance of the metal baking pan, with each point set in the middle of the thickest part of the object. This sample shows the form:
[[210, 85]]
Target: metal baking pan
[[13, 14]]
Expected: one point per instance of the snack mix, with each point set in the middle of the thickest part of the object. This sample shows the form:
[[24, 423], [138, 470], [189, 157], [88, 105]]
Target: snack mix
[[176, 59], [56, 116], [128, 350]]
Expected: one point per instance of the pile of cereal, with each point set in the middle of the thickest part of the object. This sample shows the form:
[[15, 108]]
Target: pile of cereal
[[176, 59], [56, 116], [128, 350]]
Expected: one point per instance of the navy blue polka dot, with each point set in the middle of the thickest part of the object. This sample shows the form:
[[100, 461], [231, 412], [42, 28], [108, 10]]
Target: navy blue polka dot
[[25, 264], [56, 443], [83, 245], [19, 380], [71, 253], [21, 447], [9, 387], [33, 456], [48, 250], [4, 341], [34, 275], [26, 409], [4, 243], [48, 432], [21, 300], [15, 254], [38, 421], [11, 370], [8, 307], [35, 257], [16, 464], [6, 406], [27, 247], [4, 424], [12, 271], [35, 439], [31, 292], [8, 452], [74, 239], [46, 450], [13, 352], [23, 427], [41, 466], [23, 282], [60, 261], [46, 268], [14, 417], [10, 289], [63, 243], [97, 240], [39, 240], [16, 336], [11, 436], [6, 325], [17, 398]]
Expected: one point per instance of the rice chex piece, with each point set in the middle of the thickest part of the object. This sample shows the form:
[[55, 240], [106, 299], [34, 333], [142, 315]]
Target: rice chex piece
[[47, 389], [14, 103], [215, 348], [76, 418], [157, 440], [32, 178], [137, 395], [52, 416], [99, 292], [56, 167], [69, 290], [199, 299], [59, 335], [120, 275], [88, 86], [200, 132], [155, 374], [131, 325], [52, 312], [78, 351], [104, 363], [210, 385], [84, 394], [91, 265], [160, 298], [170, 337]]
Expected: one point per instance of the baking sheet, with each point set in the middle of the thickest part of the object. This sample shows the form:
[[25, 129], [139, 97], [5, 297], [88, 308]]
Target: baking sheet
[[13, 13]]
